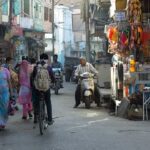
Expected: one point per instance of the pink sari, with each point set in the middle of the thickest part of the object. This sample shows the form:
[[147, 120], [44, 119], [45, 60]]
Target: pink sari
[[24, 80]]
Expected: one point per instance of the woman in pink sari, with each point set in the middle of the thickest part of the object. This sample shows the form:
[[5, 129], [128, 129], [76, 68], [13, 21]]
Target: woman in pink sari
[[25, 89]]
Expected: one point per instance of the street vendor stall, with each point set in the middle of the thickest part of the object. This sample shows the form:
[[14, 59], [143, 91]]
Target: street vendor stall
[[130, 72]]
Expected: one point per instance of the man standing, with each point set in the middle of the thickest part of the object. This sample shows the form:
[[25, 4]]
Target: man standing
[[85, 66]]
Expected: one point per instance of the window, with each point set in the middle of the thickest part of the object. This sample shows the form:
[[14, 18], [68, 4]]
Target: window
[[27, 7], [38, 11], [4, 6], [46, 13], [50, 15]]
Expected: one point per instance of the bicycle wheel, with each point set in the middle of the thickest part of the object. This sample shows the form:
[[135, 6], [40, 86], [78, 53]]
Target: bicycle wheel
[[41, 116]]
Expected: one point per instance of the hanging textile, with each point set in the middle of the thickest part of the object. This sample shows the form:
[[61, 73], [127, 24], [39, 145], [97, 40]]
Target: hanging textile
[[136, 36], [134, 11]]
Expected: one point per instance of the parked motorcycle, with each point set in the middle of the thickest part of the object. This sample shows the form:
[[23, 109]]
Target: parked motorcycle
[[87, 88], [58, 77]]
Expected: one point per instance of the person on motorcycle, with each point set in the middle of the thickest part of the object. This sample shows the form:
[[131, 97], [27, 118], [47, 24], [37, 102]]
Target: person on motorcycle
[[85, 66], [57, 64]]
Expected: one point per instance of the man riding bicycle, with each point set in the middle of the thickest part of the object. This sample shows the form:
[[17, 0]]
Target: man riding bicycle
[[47, 95]]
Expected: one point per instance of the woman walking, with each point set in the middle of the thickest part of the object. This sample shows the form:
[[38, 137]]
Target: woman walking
[[5, 92], [25, 89]]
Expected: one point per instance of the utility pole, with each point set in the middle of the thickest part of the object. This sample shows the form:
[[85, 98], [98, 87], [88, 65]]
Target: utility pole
[[87, 31], [10, 12], [53, 28]]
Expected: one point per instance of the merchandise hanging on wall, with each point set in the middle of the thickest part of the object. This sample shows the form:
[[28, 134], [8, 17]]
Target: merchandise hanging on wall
[[134, 11]]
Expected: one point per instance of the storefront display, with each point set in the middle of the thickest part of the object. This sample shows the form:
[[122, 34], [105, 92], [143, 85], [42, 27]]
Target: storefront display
[[130, 41], [21, 49]]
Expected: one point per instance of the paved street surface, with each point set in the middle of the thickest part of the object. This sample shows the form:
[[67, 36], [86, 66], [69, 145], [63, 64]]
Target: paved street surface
[[76, 129]]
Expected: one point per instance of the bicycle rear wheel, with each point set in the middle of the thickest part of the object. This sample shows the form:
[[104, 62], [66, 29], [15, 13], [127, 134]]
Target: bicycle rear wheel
[[41, 116]]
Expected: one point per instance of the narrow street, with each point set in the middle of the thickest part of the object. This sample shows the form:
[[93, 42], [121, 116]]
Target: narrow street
[[74, 129]]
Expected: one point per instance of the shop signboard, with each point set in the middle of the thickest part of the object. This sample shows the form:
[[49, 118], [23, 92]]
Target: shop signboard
[[120, 16], [37, 35], [26, 23]]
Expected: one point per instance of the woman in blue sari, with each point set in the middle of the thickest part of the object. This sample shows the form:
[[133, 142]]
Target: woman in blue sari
[[5, 91]]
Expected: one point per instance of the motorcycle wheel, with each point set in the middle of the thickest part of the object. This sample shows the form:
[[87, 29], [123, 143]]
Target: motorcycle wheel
[[87, 102]]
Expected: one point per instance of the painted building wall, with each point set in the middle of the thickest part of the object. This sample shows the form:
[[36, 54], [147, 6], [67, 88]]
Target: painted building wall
[[47, 21], [112, 8], [79, 34], [26, 21], [63, 31], [48, 41], [38, 13]]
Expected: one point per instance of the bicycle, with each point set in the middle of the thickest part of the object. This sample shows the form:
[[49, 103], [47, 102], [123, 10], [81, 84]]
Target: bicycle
[[42, 115]]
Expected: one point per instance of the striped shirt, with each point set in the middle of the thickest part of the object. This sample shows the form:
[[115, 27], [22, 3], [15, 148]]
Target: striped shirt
[[87, 68]]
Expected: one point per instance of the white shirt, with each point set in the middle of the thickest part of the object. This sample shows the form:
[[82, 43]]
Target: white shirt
[[87, 68]]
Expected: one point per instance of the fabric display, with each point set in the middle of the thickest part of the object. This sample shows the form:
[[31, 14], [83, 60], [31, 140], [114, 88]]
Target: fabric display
[[119, 37], [124, 35], [136, 36], [146, 35], [134, 11], [112, 35], [146, 43]]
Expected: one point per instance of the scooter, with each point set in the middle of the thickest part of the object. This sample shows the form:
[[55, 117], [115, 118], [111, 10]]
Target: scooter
[[87, 88], [58, 77]]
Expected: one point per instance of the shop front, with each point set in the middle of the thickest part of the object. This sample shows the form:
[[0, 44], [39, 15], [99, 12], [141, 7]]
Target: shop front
[[19, 43], [130, 72], [36, 44], [6, 48]]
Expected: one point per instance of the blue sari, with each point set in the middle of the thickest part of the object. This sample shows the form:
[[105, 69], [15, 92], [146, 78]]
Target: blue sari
[[4, 96]]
